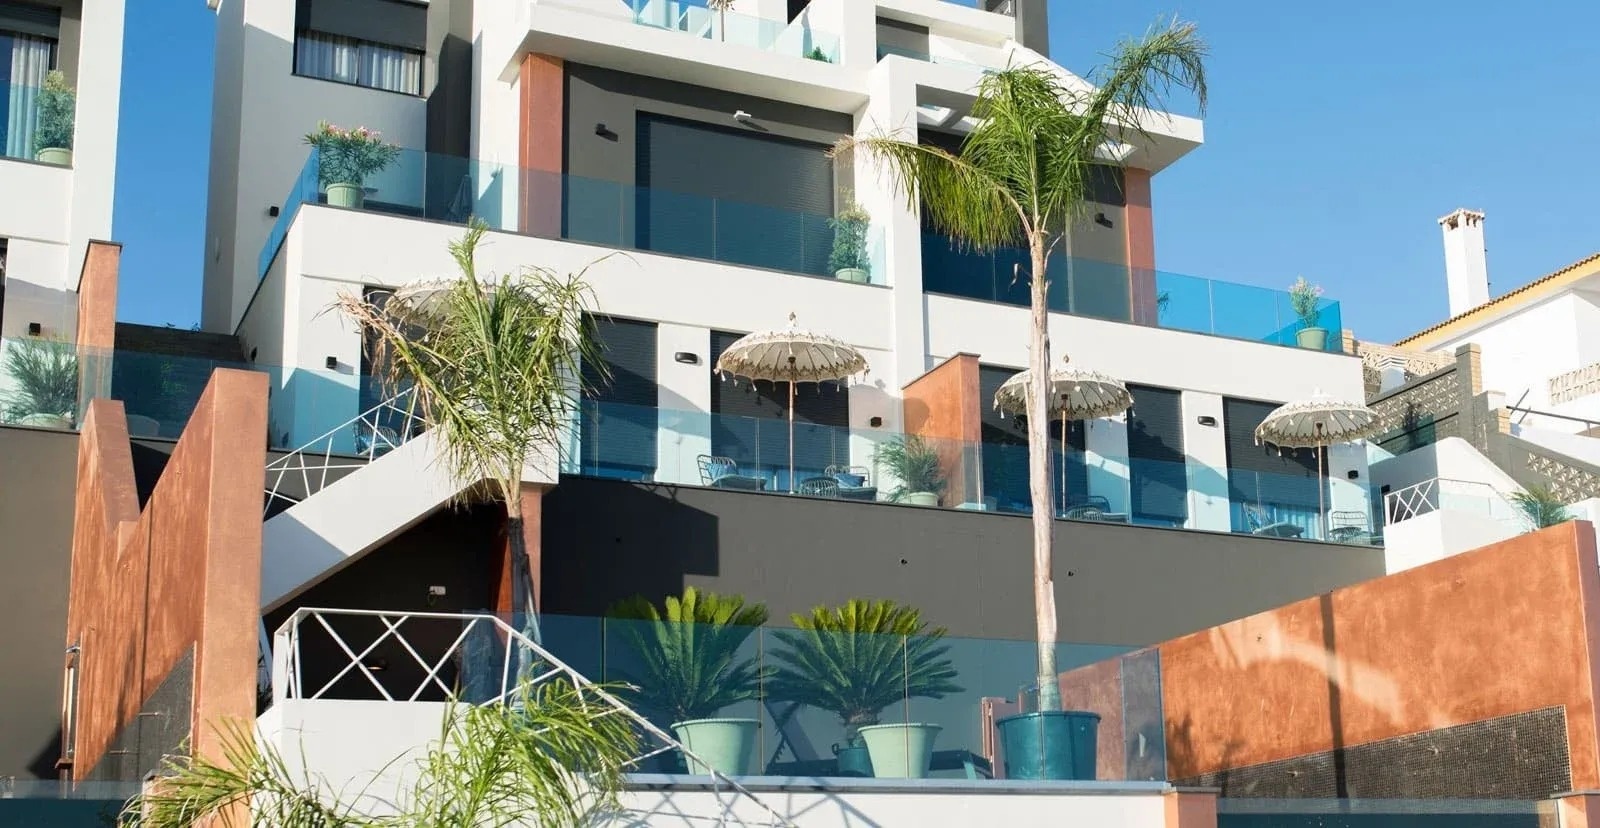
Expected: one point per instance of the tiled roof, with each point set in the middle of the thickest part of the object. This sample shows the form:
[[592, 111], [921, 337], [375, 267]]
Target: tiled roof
[[1542, 286]]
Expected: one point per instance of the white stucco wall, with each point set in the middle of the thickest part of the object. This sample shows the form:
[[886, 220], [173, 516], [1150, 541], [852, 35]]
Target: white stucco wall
[[373, 747], [263, 111]]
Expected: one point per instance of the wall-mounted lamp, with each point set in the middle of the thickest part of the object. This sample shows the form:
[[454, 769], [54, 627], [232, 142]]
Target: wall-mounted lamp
[[272, 211], [604, 132], [686, 358], [742, 116], [1100, 219], [34, 329], [1353, 474], [332, 362], [253, 354], [1206, 420], [875, 422], [377, 665]]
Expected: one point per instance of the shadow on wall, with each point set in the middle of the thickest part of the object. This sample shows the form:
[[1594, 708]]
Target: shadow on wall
[[584, 559]]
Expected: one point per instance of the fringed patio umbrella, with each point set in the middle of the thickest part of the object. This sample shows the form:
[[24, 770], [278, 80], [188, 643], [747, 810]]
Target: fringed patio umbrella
[[1317, 423], [1075, 394], [792, 355]]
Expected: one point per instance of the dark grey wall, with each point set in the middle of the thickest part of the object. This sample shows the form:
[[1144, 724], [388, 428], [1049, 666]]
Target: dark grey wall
[[970, 571], [596, 96], [449, 125], [159, 731], [37, 473], [897, 37]]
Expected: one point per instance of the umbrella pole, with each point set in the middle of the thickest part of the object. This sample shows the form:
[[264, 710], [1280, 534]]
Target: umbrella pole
[[791, 436], [1322, 519]]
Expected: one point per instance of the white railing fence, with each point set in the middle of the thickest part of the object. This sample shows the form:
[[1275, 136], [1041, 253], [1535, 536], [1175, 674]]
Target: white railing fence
[[473, 658], [1442, 494], [349, 445]]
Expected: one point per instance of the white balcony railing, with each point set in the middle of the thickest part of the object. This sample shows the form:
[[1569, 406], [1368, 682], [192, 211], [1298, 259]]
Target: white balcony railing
[[448, 656], [1446, 495]]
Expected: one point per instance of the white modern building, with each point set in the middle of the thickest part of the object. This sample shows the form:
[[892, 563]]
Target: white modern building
[[1540, 343], [56, 198], [698, 143]]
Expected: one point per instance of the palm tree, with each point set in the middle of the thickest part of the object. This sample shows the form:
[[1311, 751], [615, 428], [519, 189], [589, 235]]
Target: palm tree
[[494, 365], [1023, 175], [555, 758], [1542, 507]]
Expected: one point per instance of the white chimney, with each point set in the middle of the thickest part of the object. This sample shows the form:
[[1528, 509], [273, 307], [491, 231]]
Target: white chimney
[[1466, 269]]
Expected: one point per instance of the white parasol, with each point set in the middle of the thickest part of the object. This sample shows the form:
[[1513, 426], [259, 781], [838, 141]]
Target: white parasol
[[791, 355], [1318, 422], [1075, 394]]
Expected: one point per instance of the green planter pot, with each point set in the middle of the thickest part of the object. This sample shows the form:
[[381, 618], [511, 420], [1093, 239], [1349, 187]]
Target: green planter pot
[[55, 155], [57, 421], [922, 499], [1315, 339], [728, 745], [853, 759], [1058, 744], [853, 274], [900, 751], [345, 195]]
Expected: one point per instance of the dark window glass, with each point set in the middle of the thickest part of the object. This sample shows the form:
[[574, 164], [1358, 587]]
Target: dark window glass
[[751, 425], [620, 420], [1157, 468]]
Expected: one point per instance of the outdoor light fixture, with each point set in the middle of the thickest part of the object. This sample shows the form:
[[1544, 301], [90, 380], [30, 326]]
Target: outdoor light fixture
[[875, 422], [1100, 219], [686, 358], [1207, 420], [34, 329], [333, 362], [603, 131], [1353, 474], [742, 116], [272, 211]]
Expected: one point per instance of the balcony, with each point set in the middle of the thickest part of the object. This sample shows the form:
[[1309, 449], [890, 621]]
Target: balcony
[[794, 38], [592, 211], [1118, 293], [429, 658], [696, 448]]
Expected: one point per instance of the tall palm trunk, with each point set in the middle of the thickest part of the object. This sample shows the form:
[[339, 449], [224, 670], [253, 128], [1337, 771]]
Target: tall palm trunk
[[522, 594], [1044, 587]]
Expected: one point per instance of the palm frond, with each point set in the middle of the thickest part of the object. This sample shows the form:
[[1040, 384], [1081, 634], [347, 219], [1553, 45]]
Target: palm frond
[[962, 199], [860, 657], [495, 364], [1542, 507], [44, 378], [687, 658]]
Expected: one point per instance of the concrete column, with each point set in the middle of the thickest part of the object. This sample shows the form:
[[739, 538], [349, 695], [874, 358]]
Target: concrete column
[[683, 401], [1207, 450], [892, 110]]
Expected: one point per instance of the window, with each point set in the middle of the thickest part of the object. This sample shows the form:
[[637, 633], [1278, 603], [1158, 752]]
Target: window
[[359, 62], [28, 45]]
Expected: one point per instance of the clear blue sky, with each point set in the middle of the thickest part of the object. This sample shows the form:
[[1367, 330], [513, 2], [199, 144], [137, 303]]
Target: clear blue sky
[[1337, 135]]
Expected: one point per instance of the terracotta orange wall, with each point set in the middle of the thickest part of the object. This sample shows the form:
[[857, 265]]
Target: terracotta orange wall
[[1097, 688], [185, 573], [1504, 629], [542, 89], [97, 318], [1140, 226], [942, 405]]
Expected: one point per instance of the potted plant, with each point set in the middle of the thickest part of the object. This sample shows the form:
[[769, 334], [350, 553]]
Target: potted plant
[[915, 463], [817, 54], [1541, 506], [689, 668], [57, 110], [1305, 298], [345, 157], [849, 259], [856, 659], [43, 377]]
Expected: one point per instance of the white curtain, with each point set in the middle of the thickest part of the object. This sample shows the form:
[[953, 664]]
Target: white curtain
[[348, 60], [30, 62]]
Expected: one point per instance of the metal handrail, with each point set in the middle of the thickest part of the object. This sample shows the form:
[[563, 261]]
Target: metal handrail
[[1426, 497], [374, 437], [1587, 422], [288, 677]]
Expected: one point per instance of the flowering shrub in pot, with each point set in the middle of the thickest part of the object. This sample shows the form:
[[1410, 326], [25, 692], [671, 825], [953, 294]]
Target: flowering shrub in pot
[[346, 157]]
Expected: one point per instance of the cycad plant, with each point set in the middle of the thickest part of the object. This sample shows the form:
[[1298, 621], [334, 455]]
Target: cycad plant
[[1541, 506], [553, 758], [493, 364], [860, 657], [1023, 176], [688, 652]]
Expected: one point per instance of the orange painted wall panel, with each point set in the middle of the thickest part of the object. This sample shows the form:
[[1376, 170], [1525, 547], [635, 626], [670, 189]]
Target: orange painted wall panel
[[942, 406]]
